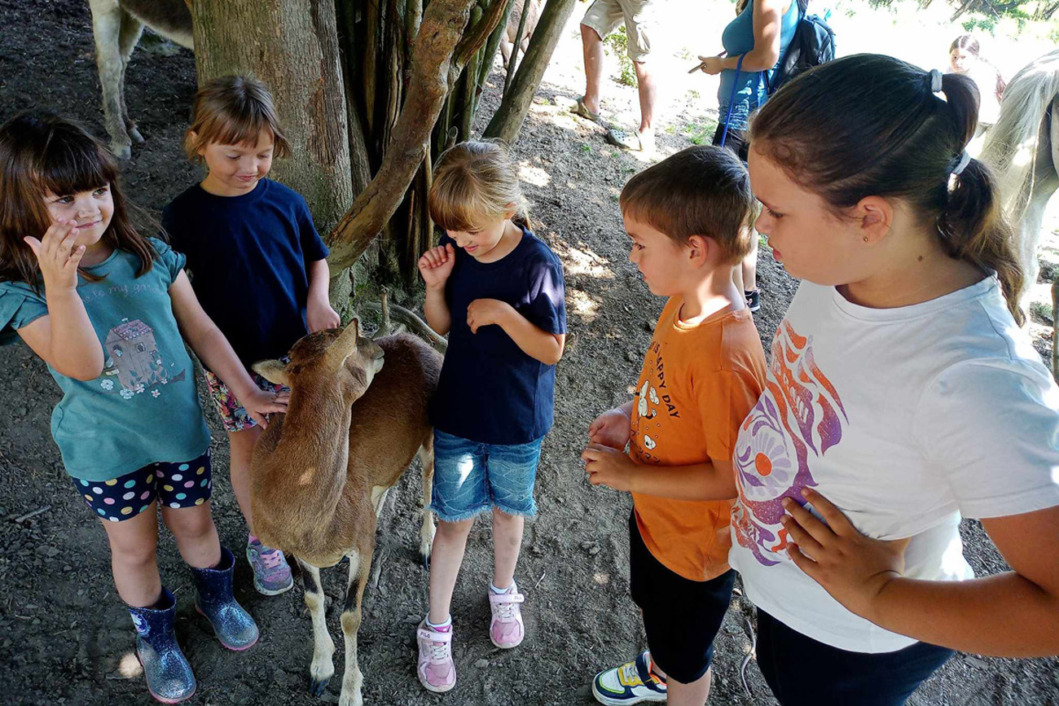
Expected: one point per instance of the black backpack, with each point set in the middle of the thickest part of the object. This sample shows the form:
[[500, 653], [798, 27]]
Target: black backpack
[[813, 44]]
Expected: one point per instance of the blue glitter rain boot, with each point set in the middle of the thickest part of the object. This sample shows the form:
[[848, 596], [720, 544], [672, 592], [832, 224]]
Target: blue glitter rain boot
[[234, 627], [168, 674]]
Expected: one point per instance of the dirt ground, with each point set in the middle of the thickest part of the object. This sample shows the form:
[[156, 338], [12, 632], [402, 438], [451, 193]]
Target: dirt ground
[[65, 637]]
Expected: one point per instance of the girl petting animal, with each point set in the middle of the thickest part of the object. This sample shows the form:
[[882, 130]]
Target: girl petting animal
[[104, 307]]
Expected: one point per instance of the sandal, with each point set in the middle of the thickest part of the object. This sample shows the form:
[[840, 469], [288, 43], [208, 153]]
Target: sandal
[[582, 110]]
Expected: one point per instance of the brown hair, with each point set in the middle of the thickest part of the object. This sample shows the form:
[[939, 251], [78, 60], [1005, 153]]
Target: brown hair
[[699, 191], [968, 42], [42, 152], [870, 125], [475, 181], [233, 110]]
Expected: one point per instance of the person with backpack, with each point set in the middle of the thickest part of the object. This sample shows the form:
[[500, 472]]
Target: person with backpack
[[754, 42]]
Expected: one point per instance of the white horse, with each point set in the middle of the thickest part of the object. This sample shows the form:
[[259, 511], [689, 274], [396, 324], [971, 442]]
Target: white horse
[[1023, 151], [117, 26]]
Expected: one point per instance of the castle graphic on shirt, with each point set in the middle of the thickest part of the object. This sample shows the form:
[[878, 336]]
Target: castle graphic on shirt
[[797, 419], [133, 357]]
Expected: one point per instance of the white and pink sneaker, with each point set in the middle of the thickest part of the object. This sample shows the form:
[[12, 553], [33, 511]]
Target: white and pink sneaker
[[506, 629], [436, 670]]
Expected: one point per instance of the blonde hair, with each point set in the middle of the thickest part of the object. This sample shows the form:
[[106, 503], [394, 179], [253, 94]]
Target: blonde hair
[[475, 181], [233, 110]]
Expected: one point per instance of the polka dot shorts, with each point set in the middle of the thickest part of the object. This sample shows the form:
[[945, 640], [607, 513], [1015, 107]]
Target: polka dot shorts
[[175, 485]]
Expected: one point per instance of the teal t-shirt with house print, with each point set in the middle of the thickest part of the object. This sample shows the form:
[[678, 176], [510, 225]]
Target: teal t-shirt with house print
[[144, 407]]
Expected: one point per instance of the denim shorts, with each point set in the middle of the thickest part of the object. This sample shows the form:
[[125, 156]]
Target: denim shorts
[[470, 478]]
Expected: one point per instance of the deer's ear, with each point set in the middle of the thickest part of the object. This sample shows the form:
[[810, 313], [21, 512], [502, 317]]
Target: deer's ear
[[273, 371], [346, 343]]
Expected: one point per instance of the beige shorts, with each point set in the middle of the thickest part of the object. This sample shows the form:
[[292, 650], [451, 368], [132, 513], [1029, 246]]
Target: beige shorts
[[604, 16]]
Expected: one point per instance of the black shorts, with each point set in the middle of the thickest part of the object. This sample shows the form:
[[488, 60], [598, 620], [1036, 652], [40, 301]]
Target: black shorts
[[681, 616], [802, 671], [735, 141]]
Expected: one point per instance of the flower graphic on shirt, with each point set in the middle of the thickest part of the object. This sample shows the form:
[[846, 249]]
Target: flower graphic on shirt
[[106, 384], [155, 393], [139, 389], [798, 418], [126, 394]]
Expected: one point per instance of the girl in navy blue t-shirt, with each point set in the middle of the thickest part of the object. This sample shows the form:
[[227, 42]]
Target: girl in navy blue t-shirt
[[497, 290]]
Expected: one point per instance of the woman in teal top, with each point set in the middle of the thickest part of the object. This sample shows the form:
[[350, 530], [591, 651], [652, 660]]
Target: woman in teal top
[[760, 35]]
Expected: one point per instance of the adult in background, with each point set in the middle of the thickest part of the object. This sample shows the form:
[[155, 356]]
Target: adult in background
[[753, 44], [602, 18]]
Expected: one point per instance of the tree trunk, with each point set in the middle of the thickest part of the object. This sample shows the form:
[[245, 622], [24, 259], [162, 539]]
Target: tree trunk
[[519, 95], [292, 46]]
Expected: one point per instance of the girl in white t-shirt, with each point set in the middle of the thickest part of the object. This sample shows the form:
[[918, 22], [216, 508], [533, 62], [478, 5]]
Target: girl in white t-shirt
[[901, 397]]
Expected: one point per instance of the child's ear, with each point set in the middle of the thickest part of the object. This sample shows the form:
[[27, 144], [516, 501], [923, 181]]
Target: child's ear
[[874, 217], [700, 248]]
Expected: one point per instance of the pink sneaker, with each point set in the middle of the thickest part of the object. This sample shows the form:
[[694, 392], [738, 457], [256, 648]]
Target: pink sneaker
[[506, 629], [436, 670]]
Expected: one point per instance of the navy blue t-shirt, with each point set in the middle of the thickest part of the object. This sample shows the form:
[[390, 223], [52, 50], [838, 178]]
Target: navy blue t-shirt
[[490, 391], [248, 256]]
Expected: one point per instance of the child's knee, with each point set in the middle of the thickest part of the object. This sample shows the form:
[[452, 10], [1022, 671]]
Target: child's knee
[[190, 523], [455, 530], [134, 553]]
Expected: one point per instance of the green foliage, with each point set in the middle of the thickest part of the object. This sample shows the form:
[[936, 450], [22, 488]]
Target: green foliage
[[617, 43], [700, 134], [585, 147]]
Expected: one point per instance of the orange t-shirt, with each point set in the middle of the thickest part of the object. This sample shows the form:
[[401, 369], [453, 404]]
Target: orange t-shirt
[[697, 385]]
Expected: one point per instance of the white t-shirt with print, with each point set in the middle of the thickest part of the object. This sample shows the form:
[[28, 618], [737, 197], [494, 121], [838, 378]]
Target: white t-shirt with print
[[907, 419]]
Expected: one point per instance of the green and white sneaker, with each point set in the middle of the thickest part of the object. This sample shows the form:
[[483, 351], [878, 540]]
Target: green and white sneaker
[[631, 683]]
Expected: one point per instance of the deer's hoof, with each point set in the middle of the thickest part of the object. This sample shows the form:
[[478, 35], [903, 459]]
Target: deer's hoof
[[426, 561], [134, 133], [122, 152], [318, 687]]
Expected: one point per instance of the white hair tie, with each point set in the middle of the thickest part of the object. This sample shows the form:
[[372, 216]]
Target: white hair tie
[[935, 81], [965, 159]]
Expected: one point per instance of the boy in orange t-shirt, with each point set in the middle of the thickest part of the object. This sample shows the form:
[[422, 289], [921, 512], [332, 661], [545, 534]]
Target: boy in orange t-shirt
[[689, 219]]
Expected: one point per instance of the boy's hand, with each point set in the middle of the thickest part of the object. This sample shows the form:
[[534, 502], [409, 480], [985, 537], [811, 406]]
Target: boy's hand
[[58, 255], [608, 466], [486, 312], [612, 428], [436, 265], [258, 404], [320, 316]]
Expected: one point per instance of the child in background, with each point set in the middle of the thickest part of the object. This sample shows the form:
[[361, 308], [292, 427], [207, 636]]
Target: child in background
[[498, 292], [101, 305], [965, 58], [689, 220], [257, 263]]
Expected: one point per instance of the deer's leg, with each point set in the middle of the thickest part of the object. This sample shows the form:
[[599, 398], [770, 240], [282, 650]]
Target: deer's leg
[[106, 30], [129, 35], [321, 669], [359, 569], [426, 531]]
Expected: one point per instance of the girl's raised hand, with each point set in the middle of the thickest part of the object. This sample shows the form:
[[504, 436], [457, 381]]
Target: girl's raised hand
[[258, 404], [58, 255], [852, 567], [436, 265]]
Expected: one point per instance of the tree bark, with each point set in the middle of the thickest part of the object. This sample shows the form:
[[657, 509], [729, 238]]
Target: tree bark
[[434, 69], [515, 104]]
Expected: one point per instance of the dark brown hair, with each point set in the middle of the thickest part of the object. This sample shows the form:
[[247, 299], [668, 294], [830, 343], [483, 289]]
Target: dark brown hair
[[871, 125], [233, 110], [475, 181], [41, 152], [698, 191]]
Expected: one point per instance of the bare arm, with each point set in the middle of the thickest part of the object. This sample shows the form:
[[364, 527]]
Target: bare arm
[[768, 19], [436, 310], [608, 466], [1014, 614], [64, 338], [213, 348], [435, 266], [318, 312]]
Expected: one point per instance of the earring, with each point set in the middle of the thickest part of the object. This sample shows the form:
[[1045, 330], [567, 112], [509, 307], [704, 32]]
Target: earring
[[865, 239]]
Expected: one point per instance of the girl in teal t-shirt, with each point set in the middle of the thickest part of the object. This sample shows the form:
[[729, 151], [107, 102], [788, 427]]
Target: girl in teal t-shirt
[[104, 307]]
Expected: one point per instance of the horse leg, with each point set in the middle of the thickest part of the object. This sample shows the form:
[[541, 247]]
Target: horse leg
[[106, 30], [426, 530], [359, 569], [129, 35], [321, 669]]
